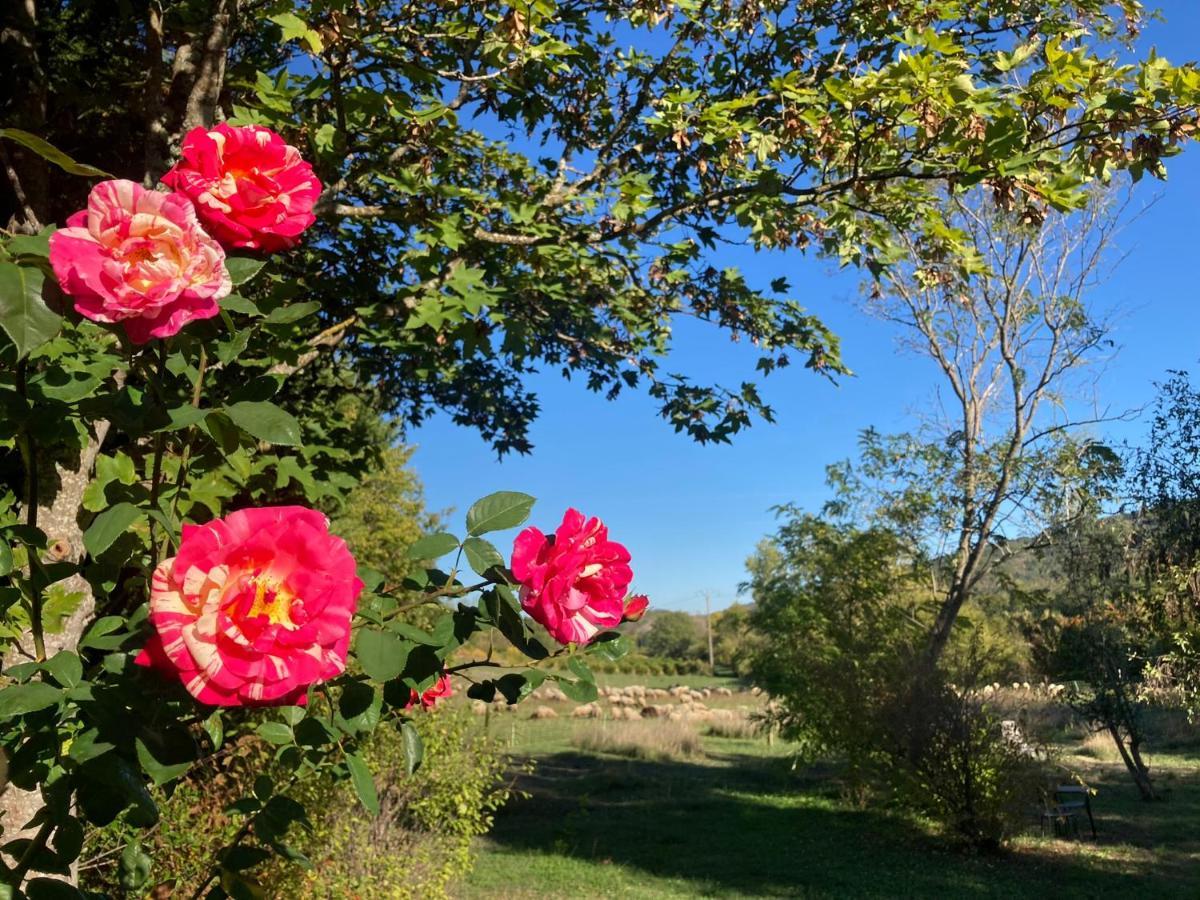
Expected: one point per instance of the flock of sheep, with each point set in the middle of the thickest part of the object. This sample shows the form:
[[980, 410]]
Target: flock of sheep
[[679, 703]]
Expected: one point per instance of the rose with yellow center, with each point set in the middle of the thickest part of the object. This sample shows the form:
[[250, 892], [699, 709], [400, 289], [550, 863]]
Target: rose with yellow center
[[139, 258], [251, 188], [254, 608]]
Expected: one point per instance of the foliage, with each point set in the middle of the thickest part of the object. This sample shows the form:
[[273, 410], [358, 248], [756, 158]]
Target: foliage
[[959, 765], [1008, 331], [1163, 495], [421, 840], [734, 638], [450, 260], [845, 600], [384, 515], [418, 843], [671, 634], [845, 683], [543, 187]]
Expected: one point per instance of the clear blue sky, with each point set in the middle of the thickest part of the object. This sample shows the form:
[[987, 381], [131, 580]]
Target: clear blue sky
[[690, 515]]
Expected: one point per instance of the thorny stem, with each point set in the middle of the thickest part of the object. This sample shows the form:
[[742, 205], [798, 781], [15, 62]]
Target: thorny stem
[[197, 388], [156, 474], [29, 459]]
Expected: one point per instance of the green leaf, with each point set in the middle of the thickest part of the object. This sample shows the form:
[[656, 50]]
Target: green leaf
[[293, 312], [579, 667], [160, 773], [239, 304], [215, 728], [414, 747], [6, 558], [295, 28], [108, 526], [31, 244], [66, 667], [364, 784], [26, 698], [49, 152], [134, 868], [579, 691], [433, 546], [381, 654], [503, 509], [24, 315], [242, 268], [265, 421], [481, 555], [96, 635], [276, 733]]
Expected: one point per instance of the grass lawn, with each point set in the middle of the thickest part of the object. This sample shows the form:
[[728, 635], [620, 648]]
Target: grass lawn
[[738, 822]]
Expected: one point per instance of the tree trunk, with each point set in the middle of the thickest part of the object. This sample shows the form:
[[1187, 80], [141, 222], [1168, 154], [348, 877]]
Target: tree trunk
[[1132, 758], [25, 171]]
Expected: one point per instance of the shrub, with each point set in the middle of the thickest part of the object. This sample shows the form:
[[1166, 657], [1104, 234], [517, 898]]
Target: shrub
[[420, 841], [951, 759], [651, 740], [418, 844]]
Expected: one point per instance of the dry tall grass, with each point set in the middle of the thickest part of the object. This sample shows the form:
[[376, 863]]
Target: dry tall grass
[[651, 739], [736, 728]]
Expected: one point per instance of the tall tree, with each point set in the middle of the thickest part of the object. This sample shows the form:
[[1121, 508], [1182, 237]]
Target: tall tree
[[1010, 331]]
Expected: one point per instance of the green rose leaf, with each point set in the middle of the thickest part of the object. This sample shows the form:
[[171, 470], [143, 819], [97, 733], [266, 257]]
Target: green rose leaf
[[26, 698], [364, 784], [581, 670], [31, 244], [108, 526], [134, 868], [265, 421], [276, 733], [159, 772], [24, 315], [381, 654], [579, 691], [242, 268], [433, 546], [503, 509], [482, 556], [239, 304], [414, 747], [66, 668]]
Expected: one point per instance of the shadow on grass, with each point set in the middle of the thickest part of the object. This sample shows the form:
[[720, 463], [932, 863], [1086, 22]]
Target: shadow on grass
[[749, 828]]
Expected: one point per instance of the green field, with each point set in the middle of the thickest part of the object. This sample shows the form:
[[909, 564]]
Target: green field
[[740, 821]]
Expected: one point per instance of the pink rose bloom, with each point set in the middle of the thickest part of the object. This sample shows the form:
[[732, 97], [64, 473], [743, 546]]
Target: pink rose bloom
[[250, 188], [574, 581], [254, 608], [429, 699], [140, 258]]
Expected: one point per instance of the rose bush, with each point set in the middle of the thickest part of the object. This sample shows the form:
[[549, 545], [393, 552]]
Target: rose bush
[[258, 610], [255, 607], [251, 189], [139, 258]]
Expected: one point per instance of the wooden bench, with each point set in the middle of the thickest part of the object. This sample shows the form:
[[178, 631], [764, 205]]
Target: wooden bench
[[1070, 801]]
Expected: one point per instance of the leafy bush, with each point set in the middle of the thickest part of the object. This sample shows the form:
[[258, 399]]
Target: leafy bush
[[420, 841], [417, 845], [953, 760]]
